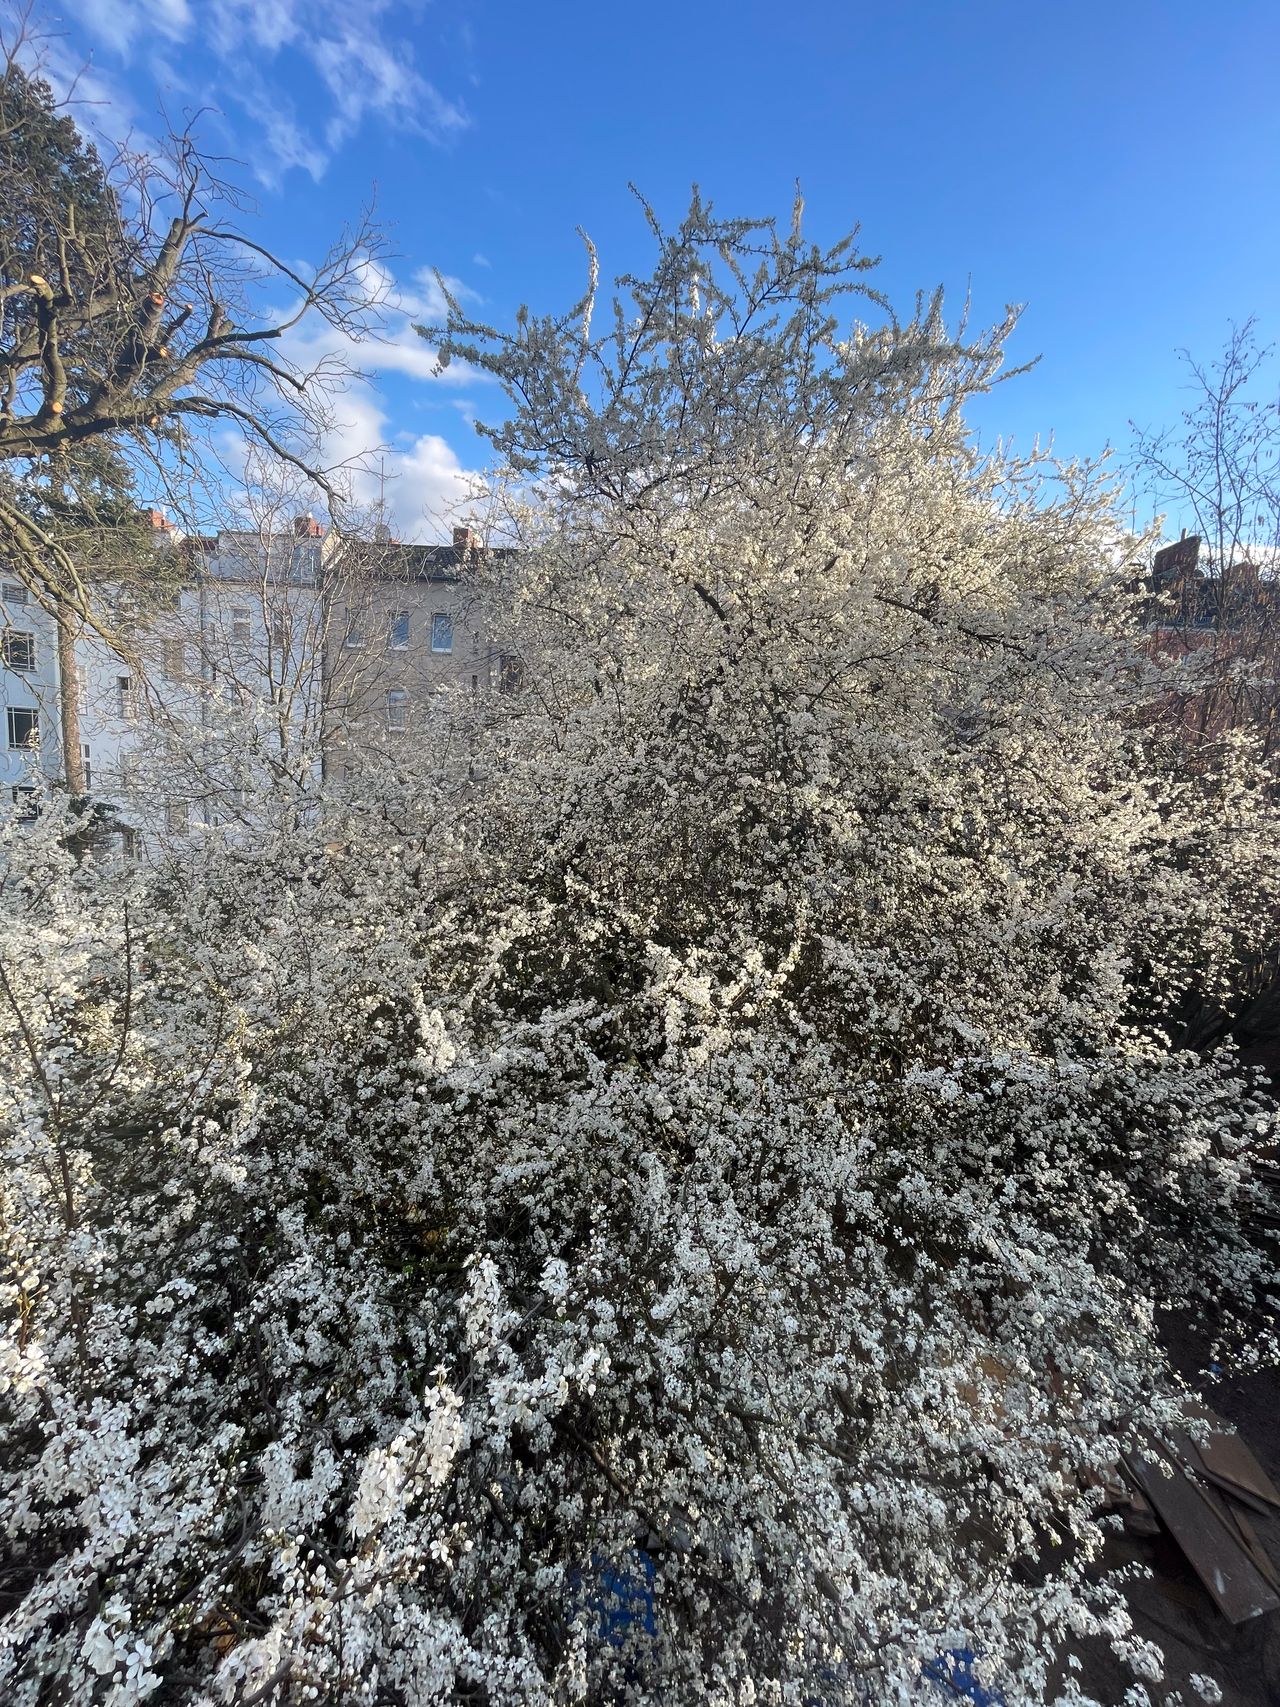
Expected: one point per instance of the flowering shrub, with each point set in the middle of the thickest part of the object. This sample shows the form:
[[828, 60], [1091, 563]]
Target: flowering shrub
[[715, 1133]]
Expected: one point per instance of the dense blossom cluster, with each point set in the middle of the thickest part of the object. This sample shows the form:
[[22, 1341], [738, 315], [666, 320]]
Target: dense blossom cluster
[[673, 1204]]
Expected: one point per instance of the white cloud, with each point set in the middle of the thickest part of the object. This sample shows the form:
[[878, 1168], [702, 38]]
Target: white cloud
[[100, 104], [359, 61], [282, 143], [126, 24], [425, 485], [396, 348]]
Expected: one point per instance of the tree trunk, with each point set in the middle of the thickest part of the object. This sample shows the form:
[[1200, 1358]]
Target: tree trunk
[[69, 703]]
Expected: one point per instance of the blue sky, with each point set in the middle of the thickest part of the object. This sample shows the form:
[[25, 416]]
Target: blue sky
[[1115, 168]]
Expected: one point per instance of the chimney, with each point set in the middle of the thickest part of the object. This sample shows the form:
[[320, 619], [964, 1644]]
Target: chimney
[[465, 540], [160, 522], [307, 527]]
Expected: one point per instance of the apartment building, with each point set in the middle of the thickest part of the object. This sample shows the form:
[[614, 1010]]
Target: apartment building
[[407, 635], [281, 648], [32, 752]]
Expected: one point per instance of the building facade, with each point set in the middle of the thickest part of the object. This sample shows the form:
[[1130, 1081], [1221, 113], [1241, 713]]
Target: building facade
[[407, 637], [290, 650]]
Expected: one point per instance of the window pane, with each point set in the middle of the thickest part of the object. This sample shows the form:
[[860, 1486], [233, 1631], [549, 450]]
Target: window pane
[[19, 650], [24, 727], [399, 635], [442, 633], [397, 706]]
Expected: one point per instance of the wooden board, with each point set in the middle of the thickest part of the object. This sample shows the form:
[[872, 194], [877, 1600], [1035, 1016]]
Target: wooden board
[[1226, 1457], [1218, 1555]]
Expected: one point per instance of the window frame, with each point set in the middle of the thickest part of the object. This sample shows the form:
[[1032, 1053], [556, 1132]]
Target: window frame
[[32, 742], [441, 622], [12, 637]]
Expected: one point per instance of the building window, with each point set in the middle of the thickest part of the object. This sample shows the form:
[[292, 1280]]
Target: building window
[[173, 660], [397, 708], [398, 636], [241, 628], [355, 632], [475, 642], [86, 759], [441, 633], [510, 673], [279, 638], [126, 700], [19, 650], [26, 803], [15, 593], [475, 684], [175, 817], [24, 727]]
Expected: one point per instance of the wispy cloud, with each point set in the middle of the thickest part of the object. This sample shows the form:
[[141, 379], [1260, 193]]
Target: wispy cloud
[[128, 24], [360, 64]]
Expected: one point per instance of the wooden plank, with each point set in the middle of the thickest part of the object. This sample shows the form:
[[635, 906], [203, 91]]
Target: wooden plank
[[1237, 1524], [1261, 1558], [1227, 1457], [1238, 1493], [1218, 1557]]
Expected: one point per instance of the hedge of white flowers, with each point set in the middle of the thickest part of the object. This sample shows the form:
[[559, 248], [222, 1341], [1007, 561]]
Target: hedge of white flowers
[[665, 1195]]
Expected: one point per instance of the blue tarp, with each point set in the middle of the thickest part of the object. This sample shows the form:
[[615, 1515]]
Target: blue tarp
[[953, 1673]]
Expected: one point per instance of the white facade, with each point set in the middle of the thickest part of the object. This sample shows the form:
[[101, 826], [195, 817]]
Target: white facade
[[31, 750], [280, 650], [231, 656]]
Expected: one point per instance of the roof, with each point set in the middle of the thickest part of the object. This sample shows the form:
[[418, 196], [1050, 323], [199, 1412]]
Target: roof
[[399, 562]]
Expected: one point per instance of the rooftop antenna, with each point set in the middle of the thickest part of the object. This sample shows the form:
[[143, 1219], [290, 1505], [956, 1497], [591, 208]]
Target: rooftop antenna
[[381, 532]]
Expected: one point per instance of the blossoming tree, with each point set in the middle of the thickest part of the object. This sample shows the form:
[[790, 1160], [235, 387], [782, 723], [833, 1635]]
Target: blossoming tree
[[668, 1195]]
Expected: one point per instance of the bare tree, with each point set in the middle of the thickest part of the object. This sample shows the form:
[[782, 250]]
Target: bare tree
[[1216, 473], [134, 317]]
